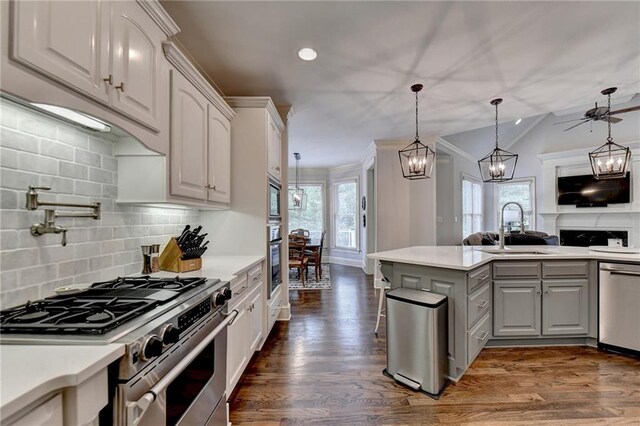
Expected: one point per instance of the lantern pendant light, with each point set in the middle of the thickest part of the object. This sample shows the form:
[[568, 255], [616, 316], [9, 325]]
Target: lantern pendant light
[[416, 159], [611, 160], [298, 197], [499, 165]]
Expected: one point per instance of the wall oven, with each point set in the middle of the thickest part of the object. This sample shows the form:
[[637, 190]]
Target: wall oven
[[274, 258], [274, 201]]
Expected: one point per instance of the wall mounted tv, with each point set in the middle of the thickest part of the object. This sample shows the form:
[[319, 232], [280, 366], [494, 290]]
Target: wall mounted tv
[[587, 191]]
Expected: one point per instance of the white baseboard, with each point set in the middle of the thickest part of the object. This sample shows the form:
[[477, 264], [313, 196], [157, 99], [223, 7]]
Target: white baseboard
[[344, 261], [285, 313]]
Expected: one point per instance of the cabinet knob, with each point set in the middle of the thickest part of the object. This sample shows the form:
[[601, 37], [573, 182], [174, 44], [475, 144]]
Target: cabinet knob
[[109, 80], [120, 87]]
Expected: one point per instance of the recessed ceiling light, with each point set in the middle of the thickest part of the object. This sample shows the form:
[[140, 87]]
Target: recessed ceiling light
[[75, 117], [518, 121], [307, 54]]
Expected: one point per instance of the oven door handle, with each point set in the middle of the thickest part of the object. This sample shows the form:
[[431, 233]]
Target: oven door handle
[[136, 410]]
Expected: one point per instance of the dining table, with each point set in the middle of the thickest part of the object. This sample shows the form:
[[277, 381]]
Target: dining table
[[313, 245]]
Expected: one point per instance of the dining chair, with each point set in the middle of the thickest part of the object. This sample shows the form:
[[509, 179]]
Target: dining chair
[[314, 257], [297, 259], [381, 285], [301, 232]]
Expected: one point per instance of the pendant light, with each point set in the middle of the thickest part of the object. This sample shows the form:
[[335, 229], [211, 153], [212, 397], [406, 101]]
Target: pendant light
[[499, 165], [416, 160], [297, 195], [611, 160]]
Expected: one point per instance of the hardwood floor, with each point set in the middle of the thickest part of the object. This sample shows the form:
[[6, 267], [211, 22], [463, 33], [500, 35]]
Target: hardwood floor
[[325, 367]]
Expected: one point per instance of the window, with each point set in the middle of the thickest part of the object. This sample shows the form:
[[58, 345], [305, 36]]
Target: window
[[471, 206], [311, 216], [522, 191], [346, 214]]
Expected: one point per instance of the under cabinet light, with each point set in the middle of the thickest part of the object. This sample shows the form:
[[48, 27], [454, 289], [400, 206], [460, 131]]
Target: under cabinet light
[[307, 54], [75, 117]]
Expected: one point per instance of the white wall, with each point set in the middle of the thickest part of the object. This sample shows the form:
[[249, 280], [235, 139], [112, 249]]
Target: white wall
[[406, 210], [80, 167]]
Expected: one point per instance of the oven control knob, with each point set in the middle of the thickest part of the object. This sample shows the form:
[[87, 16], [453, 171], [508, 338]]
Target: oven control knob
[[218, 299], [152, 348], [170, 334], [226, 292]]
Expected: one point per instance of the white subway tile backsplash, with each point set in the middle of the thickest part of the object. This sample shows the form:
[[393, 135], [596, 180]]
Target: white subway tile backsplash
[[56, 150], [73, 170], [80, 167], [87, 158], [20, 141], [37, 163]]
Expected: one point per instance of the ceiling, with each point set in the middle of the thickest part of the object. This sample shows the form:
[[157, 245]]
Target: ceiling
[[538, 56]]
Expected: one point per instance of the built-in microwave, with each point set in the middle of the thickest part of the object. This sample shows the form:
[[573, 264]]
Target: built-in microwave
[[274, 201]]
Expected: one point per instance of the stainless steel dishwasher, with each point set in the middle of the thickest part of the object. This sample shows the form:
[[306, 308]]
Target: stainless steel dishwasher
[[619, 308]]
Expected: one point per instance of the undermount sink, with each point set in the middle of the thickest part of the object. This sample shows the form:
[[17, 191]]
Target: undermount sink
[[514, 251]]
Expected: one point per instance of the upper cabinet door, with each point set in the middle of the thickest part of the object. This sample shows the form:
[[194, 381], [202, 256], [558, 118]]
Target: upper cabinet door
[[188, 139], [274, 149], [219, 164], [66, 40], [136, 51]]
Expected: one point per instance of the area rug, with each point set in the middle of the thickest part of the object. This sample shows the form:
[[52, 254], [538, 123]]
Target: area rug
[[311, 284]]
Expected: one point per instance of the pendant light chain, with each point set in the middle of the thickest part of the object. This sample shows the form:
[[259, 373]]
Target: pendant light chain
[[417, 116], [496, 125], [609, 138]]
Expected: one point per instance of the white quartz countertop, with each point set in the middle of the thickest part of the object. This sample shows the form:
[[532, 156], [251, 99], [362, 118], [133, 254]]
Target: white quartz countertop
[[223, 267], [29, 372], [465, 258]]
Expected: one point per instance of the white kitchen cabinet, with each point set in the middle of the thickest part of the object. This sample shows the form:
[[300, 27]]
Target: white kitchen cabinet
[[218, 157], [274, 150], [256, 310], [136, 50], [189, 140], [237, 347], [49, 413], [65, 41], [107, 50]]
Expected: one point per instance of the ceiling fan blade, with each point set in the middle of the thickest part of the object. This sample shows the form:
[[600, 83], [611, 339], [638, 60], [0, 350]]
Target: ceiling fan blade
[[576, 125], [569, 121], [612, 119], [620, 111]]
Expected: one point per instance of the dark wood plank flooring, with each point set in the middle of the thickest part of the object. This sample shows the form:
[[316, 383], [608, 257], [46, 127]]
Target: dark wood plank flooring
[[325, 367]]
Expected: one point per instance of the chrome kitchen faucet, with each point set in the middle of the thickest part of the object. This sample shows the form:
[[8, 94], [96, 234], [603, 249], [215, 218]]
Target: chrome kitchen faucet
[[50, 215], [502, 222]]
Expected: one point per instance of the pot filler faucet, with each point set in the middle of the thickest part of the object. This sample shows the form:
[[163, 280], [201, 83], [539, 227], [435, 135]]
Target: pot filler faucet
[[502, 222], [50, 215]]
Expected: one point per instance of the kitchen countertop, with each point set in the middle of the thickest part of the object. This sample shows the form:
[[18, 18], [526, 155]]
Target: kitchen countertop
[[223, 267], [30, 372], [466, 258]]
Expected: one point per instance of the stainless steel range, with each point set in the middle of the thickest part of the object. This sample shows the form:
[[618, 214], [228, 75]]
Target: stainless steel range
[[174, 331]]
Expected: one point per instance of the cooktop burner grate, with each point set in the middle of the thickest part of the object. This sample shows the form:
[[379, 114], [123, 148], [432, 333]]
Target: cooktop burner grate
[[76, 315]]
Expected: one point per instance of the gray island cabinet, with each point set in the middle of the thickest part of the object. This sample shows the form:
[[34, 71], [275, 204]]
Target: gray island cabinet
[[507, 302]]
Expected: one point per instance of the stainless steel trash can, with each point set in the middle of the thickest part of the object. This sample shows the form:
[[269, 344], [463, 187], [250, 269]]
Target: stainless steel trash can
[[417, 339]]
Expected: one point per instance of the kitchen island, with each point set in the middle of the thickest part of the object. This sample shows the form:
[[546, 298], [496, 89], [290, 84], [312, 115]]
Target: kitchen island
[[524, 295]]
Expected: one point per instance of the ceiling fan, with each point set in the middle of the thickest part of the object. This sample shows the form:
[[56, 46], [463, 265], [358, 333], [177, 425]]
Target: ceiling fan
[[601, 113]]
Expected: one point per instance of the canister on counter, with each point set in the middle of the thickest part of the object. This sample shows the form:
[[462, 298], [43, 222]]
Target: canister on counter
[[155, 257]]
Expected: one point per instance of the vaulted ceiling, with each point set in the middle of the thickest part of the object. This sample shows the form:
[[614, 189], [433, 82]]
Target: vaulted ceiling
[[539, 56]]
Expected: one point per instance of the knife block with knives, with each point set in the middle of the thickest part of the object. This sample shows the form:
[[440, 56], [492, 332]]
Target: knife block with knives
[[184, 253]]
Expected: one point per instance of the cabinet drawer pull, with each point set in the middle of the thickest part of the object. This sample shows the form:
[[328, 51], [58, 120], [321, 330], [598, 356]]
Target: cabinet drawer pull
[[484, 277], [242, 290], [109, 80], [483, 304], [484, 337], [120, 87]]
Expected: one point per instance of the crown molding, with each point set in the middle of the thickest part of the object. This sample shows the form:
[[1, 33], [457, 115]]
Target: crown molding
[[179, 60], [350, 167], [256, 102], [454, 149], [584, 152], [286, 112], [160, 16], [390, 145]]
